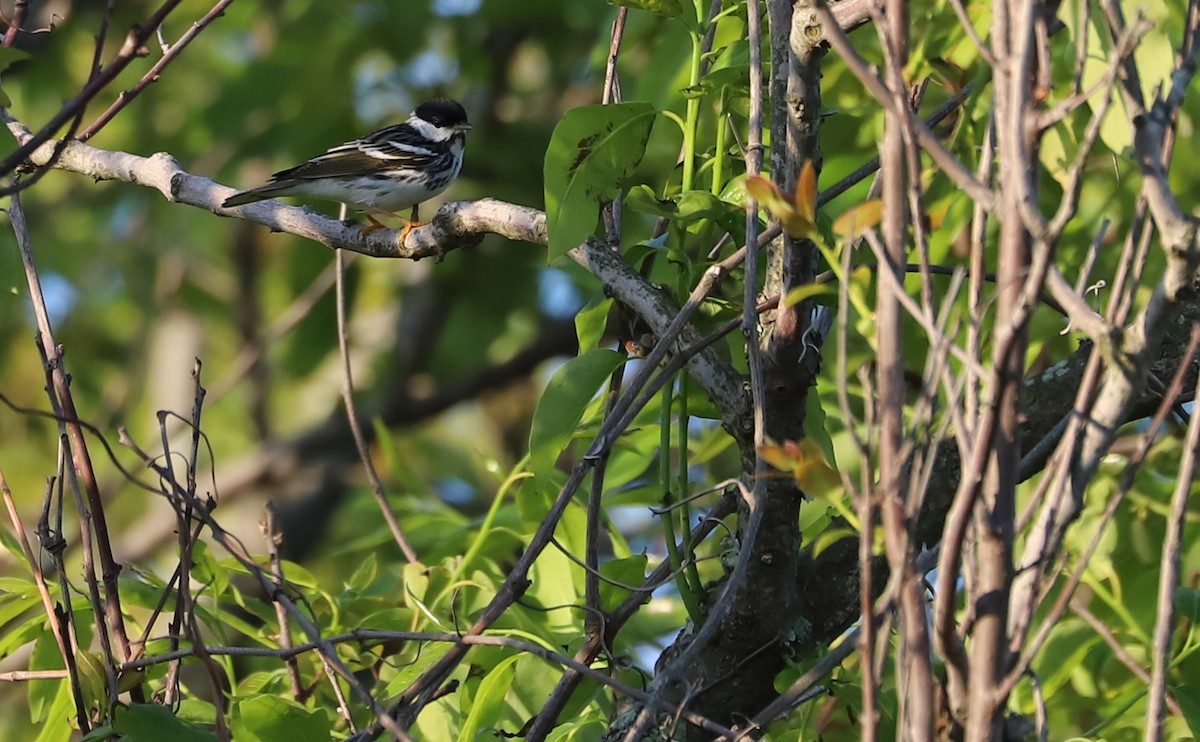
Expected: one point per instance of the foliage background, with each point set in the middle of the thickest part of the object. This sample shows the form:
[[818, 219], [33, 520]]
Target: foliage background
[[453, 356]]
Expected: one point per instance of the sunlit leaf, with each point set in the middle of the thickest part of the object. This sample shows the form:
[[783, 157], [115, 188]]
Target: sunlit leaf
[[57, 727], [808, 290], [766, 193], [269, 719], [778, 206], [489, 701], [10, 542], [805, 462], [806, 192], [858, 219], [46, 656], [592, 321], [830, 537]]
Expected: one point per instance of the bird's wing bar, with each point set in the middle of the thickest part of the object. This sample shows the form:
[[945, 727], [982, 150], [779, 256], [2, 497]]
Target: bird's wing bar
[[350, 162], [399, 142]]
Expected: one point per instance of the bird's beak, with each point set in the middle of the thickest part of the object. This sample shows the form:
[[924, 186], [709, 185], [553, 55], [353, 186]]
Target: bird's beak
[[463, 127]]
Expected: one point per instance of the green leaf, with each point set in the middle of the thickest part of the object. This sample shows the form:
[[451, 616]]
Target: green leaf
[[592, 321], [17, 585], [196, 711], [99, 734], [805, 291], [9, 55], [489, 701], [410, 670], [557, 581], [855, 222], [151, 723], [591, 151], [735, 78], [42, 692], [641, 198], [1154, 55], [207, 570], [270, 719], [1063, 653], [10, 542], [627, 571], [1187, 603], [1189, 703], [561, 407], [364, 574], [830, 537], [57, 727], [687, 208], [27, 628], [668, 8], [816, 427]]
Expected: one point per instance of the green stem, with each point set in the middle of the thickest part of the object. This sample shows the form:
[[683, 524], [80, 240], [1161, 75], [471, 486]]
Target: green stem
[[485, 529], [718, 172], [685, 509], [668, 518], [692, 115]]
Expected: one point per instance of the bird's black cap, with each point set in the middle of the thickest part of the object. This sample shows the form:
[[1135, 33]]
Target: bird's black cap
[[442, 112]]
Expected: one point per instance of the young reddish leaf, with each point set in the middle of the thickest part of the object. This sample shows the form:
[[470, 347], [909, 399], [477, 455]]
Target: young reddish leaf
[[783, 457], [858, 219], [797, 226], [778, 206], [764, 191], [806, 193], [806, 463]]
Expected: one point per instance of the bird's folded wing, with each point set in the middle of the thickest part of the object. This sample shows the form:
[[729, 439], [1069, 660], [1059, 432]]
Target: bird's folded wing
[[387, 149]]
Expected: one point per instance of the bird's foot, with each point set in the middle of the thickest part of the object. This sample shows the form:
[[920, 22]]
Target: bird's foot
[[409, 225], [373, 225]]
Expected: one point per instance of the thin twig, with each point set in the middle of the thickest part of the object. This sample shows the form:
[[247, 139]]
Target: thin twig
[[154, 73], [1168, 577], [73, 108], [360, 442]]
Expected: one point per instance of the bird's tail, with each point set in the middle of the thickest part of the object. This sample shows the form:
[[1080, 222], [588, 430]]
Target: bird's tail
[[262, 193]]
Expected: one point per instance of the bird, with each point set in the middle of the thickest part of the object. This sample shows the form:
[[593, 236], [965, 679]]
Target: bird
[[395, 168]]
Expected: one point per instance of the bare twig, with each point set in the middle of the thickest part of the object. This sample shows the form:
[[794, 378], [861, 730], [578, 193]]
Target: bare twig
[[1168, 578], [93, 524], [360, 442], [73, 108], [154, 73]]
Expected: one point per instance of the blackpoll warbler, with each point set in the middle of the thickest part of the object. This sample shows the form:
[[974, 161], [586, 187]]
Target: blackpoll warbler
[[384, 172]]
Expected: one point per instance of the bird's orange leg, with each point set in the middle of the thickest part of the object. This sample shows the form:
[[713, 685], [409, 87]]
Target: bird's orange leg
[[411, 223], [408, 224], [374, 225]]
